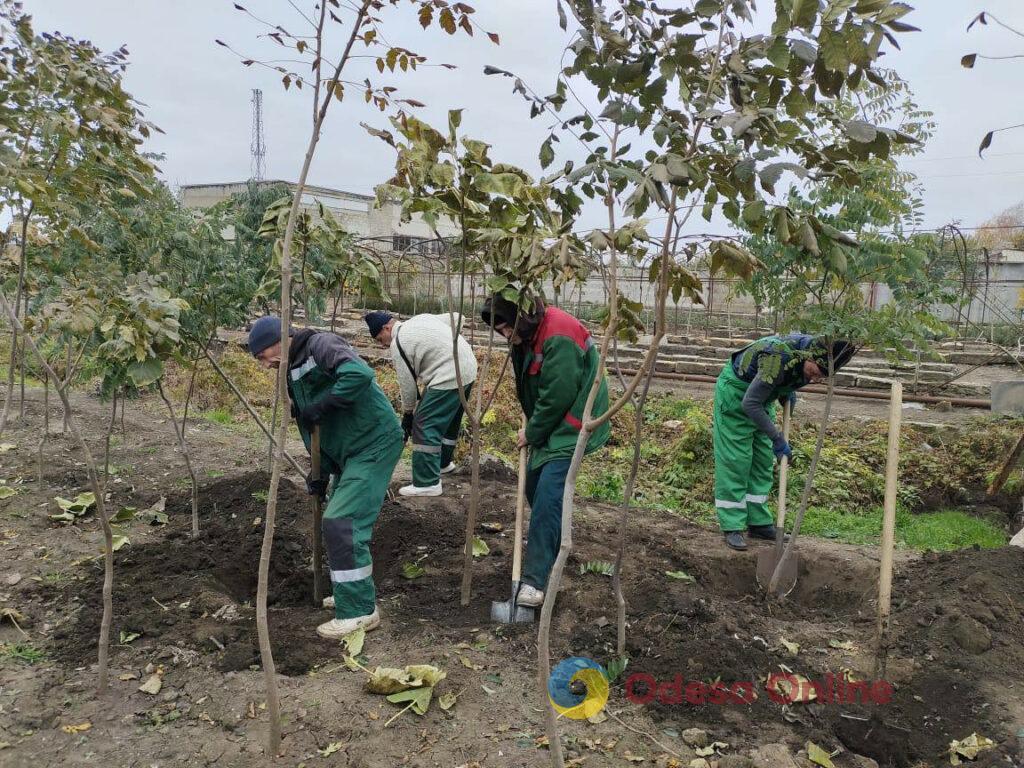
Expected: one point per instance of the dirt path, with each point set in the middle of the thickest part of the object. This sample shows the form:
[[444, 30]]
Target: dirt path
[[957, 664]]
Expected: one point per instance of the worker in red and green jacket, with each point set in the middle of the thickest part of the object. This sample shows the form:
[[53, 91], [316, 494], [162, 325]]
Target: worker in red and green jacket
[[555, 362]]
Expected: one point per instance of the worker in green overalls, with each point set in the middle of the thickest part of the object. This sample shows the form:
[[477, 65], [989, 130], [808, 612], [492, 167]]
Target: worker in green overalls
[[746, 440], [330, 386], [555, 363]]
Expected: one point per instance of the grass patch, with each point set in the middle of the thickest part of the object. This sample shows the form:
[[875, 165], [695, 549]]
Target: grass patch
[[21, 652], [944, 530], [220, 416]]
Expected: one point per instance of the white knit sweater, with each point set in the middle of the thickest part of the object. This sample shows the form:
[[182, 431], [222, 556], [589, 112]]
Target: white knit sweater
[[427, 342]]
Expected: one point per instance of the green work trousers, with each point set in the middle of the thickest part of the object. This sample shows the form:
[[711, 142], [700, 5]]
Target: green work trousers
[[435, 433], [744, 461], [348, 526]]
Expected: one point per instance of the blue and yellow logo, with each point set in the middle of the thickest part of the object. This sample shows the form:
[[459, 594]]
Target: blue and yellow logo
[[578, 688]]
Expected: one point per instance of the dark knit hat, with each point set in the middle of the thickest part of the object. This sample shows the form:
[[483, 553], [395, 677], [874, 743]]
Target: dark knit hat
[[498, 310], [842, 353], [376, 320], [265, 332]]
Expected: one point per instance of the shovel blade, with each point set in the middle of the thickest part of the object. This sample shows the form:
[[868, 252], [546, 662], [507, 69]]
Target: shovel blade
[[507, 612], [767, 560]]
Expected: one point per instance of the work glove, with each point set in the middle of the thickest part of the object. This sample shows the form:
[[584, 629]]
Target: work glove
[[314, 413], [316, 487], [781, 448], [407, 418], [791, 399]]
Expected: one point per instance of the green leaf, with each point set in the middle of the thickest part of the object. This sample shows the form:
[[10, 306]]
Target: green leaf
[[354, 641], [146, 372], [547, 153], [681, 576], [861, 131], [614, 668], [119, 541], [6, 492], [600, 567], [419, 698], [480, 547], [412, 570]]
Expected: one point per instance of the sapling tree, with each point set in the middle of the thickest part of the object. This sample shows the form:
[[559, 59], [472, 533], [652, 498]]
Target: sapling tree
[[507, 228], [688, 113], [326, 75], [69, 132]]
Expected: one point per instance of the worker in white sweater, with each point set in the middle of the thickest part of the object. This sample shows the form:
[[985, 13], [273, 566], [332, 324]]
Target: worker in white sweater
[[421, 350]]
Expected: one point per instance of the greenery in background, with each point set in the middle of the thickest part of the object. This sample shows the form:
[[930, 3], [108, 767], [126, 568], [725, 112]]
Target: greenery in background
[[942, 472]]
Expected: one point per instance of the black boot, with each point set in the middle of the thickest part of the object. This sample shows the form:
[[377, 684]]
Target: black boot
[[766, 532], [734, 539]]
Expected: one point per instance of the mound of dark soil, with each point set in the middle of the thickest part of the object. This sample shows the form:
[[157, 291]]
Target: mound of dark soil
[[194, 594]]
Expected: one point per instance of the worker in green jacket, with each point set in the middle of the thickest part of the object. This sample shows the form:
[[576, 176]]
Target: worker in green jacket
[[555, 362], [330, 386], [746, 440]]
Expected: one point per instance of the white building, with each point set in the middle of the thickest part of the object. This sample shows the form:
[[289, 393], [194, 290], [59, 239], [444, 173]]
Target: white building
[[359, 214]]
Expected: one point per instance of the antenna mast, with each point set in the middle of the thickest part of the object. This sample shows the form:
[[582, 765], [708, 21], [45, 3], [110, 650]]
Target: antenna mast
[[258, 147]]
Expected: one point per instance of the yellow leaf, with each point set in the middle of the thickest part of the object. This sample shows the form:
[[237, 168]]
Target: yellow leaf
[[331, 748], [76, 728], [469, 664], [969, 748], [818, 756], [793, 648]]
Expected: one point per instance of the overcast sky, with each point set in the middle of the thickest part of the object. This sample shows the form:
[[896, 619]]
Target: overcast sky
[[199, 93]]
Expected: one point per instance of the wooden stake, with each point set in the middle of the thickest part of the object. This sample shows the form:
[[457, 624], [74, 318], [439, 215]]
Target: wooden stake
[[888, 529]]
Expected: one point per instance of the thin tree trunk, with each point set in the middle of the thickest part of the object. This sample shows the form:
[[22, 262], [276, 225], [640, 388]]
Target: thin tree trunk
[[101, 507], [21, 366], [106, 439], [620, 600], [22, 265], [67, 383], [262, 628], [46, 427], [273, 420], [179, 431]]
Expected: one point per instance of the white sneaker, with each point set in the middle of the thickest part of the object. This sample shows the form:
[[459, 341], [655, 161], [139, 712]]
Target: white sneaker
[[329, 602], [336, 629], [529, 596], [449, 469], [420, 490]]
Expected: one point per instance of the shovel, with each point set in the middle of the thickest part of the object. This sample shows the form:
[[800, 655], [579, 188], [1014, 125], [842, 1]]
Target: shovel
[[507, 612], [768, 558], [318, 511]]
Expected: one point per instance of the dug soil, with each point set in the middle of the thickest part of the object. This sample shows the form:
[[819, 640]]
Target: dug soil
[[183, 610], [957, 626]]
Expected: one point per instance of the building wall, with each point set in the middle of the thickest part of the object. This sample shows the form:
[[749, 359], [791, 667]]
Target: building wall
[[357, 213]]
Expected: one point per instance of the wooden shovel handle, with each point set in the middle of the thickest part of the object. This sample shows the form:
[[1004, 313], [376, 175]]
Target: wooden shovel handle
[[517, 544], [314, 455], [783, 468]]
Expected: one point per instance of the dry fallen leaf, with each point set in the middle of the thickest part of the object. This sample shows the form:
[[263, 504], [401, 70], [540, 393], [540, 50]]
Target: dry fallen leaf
[[76, 728], [630, 757], [331, 748], [152, 685], [469, 664], [968, 748], [793, 648]]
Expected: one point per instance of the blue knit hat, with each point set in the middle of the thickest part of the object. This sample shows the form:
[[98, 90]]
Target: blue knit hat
[[375, 321], [265, 332]]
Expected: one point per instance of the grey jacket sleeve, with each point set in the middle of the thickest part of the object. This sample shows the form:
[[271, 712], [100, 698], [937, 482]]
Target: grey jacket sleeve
[[330, 350], [755, 400]]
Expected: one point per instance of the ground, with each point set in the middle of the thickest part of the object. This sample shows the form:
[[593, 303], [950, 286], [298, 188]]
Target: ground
[[956, 663]]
